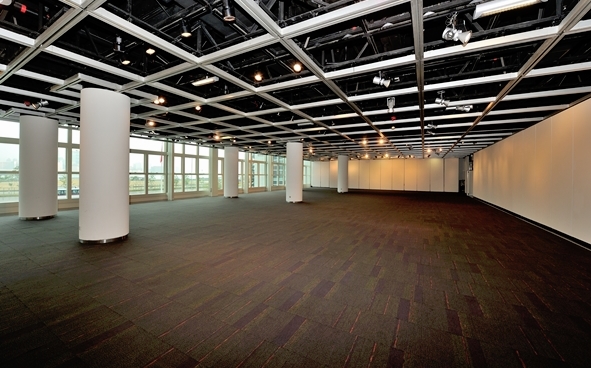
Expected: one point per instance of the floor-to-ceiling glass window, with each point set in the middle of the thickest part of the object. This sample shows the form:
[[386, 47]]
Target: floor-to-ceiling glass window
[[278, 171], [147, 163], [307, 171], [257, 171], [185, 168], [241, 164], [203, 166], [9, 156]]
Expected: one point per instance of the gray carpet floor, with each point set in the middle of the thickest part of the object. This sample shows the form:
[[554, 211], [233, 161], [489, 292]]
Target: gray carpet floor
[[342, 280]]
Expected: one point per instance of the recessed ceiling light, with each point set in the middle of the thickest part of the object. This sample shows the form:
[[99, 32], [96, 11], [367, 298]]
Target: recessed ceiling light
[[150, 51], [198, 108], [151, 123], [297, 67], [258, 77]]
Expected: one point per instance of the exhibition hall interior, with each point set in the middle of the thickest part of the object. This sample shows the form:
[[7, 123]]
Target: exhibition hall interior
[[305, 183]]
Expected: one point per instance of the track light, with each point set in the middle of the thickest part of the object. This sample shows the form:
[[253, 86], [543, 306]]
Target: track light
[[198, 108], [440, 100], [364, 141], [431, 126], [297, 67], [451, 33], [381, 81], [228, 10], [465, 108], [39, 104], [381, 141], [204, 81], [430, 132], [185, 31], [159, 100], [499, 6], [390, 102], [258, 76]]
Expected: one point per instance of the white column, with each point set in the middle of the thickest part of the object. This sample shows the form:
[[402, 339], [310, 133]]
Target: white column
[[294, 172], [104, 166], [343, 174], [231, 172], [37, 198]]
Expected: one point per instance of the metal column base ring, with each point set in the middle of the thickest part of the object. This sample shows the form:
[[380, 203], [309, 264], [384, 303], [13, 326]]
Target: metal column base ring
[[38, 218], [104, 241]]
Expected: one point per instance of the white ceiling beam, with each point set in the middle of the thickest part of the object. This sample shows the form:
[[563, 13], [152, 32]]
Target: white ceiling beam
[[31, 94], [570, 68]]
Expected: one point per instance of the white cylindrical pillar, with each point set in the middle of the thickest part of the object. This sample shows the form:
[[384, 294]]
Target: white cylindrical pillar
[[37, 197], [343, 174], [104, 166], [230, 172], [294, 172]]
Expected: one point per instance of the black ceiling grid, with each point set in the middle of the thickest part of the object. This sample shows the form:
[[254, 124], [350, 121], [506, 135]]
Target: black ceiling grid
[[518, 67]]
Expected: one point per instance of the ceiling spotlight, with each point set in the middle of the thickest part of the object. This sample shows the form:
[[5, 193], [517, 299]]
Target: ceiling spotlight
[[185, 31], [440, 100], [150, 51], [216, 137], [390, 102], [228, 10], [39, 104], [204, 81], [381, 141], [297, 67], [150, 123], [159, 100], [310, 150], [431, 126], [366, 155], [393, 127], [381, 81], [499, 6], [409, 146], [430, 132], [124, 60], [258, 76], [451, 33], [268, 142], [386, 155], [198, 108], [465, 108], [364, 141]]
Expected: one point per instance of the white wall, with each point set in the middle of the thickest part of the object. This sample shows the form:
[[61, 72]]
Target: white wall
[[543, 173], [333, 180], [435, 175]]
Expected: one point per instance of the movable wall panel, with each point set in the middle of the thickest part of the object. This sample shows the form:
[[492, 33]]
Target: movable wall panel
[[333, 179], [324, 174], [364, 174], [354, 174], [423, 175], [410, 174], [386, 174], [581, 212], [374, 174], [398, 174], [436, 174], [542, 173], [452, 174], [316, 175]]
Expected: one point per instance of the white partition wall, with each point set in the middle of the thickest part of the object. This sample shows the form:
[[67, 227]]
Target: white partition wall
[[294, 170], [398, 174], [104, 166], [451, 174], [343, 174], [542, 173], [354, 174], [436, 174], [37, 168], [231, 172], [333, 179]]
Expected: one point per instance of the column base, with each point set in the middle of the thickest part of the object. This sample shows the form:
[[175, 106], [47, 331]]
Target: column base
[[39, 218], [232, 197], [104, 241], [294, 201]]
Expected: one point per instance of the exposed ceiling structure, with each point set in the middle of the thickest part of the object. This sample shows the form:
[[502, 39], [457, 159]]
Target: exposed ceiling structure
[[438, 96]]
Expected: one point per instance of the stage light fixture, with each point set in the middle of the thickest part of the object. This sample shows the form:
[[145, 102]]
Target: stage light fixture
[[39, 104], [451, 33], [185, 31]]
